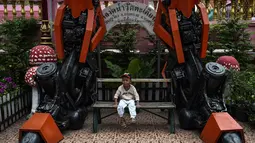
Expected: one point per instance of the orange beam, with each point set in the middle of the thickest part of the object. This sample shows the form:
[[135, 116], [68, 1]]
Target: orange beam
[[160, 31], [58, 31], [164, 35], [44, 124], [205, 30], [77, 6], [87, 36], [217, 124], [176, 36], [100, 32]]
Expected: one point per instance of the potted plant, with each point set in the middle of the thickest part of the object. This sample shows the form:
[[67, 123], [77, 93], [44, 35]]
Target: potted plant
[[242, 91]]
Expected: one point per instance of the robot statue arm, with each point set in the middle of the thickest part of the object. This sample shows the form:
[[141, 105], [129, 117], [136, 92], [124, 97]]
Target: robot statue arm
[[94, 25], [205, 30], [99, 35], [168, 30]]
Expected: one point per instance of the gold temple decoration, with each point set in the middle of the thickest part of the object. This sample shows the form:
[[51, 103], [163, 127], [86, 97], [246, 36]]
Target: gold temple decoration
[[240, 10], [215, 15], [22, 4], [233, 9], [5, 8], [31, 3], [224, 8], [250, 9], [46, 33], [39, 4], [14, 13]]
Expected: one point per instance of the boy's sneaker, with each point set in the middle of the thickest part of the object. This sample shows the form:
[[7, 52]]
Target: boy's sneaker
[[133, 120], [123, 122]]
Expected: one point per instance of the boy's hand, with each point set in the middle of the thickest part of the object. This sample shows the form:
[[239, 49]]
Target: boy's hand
[[115, 105]]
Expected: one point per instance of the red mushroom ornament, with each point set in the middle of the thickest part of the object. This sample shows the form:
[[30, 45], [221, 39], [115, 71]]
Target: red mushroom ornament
[[29, 76], [42, 54], [229, 62]]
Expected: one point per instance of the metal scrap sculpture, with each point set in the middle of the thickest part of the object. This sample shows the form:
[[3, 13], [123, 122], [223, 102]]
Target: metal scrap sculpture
[[67, 88], [198, 90]]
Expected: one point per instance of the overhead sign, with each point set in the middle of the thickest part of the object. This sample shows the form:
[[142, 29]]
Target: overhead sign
[[130, 13]]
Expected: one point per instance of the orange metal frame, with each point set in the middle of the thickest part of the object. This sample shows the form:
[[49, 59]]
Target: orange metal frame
[[89, 42], [174, 40]]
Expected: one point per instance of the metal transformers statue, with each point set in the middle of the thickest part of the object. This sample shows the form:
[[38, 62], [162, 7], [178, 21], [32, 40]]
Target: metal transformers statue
[[68, 87], [198, 90]]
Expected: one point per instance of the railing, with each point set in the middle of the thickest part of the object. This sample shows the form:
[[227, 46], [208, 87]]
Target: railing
[[148, 89], [33, 8], [243, 8], [10, 9], [14, 106]]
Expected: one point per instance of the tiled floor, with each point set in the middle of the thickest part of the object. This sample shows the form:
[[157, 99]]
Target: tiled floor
[[149, 129]]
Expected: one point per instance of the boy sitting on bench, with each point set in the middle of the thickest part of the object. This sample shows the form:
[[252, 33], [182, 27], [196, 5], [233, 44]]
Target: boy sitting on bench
[[128, 95]]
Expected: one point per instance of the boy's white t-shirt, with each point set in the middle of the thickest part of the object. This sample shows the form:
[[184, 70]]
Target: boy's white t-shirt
[[129, 94]]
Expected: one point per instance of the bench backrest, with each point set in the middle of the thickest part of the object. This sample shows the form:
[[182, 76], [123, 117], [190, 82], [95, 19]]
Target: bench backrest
[[148, 89]]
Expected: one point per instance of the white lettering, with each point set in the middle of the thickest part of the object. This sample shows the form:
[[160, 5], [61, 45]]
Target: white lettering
[[131, 13]]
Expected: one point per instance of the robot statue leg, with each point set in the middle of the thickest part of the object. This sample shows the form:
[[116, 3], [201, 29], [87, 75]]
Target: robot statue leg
[[35, 101]]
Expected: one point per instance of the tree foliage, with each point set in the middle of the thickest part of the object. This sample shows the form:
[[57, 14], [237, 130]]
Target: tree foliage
[[17, 37], [232, 36]]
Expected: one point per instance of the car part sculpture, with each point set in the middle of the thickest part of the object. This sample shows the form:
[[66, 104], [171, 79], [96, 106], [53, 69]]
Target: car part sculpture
[[198, 91], [68, 87]]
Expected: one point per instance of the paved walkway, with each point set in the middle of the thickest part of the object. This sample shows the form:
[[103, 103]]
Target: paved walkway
[[149, 129]]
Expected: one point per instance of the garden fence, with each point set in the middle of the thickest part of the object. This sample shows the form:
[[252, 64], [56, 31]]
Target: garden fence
[[14, 106]]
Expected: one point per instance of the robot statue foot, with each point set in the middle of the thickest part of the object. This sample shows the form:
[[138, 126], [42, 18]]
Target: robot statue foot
[[222, 128], [77, 118], [188, 120]]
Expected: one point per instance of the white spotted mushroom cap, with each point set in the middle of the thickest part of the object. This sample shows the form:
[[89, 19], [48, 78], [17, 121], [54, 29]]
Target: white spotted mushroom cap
[[229, 62], [42, 54], [29, 76]]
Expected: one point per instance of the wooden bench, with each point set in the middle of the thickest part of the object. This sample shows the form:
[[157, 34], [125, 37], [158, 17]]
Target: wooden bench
[[154, 94]]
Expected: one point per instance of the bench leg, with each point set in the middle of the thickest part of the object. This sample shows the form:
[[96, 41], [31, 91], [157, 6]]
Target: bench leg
[[169, 116], [95, 120], [99, 116], [171, 119]]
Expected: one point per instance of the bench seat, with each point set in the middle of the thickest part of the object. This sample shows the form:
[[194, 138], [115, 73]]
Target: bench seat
[[143, 105], [170, 106]]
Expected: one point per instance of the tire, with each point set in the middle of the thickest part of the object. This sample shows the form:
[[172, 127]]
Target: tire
[[230, 138], [32, 137]]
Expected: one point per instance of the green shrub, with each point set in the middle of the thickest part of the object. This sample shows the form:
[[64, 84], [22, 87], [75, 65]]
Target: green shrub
[[17, 37], [232, 36], [242, 91]]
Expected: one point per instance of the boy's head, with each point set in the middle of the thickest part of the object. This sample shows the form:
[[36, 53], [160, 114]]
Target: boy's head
[[126, 79]]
